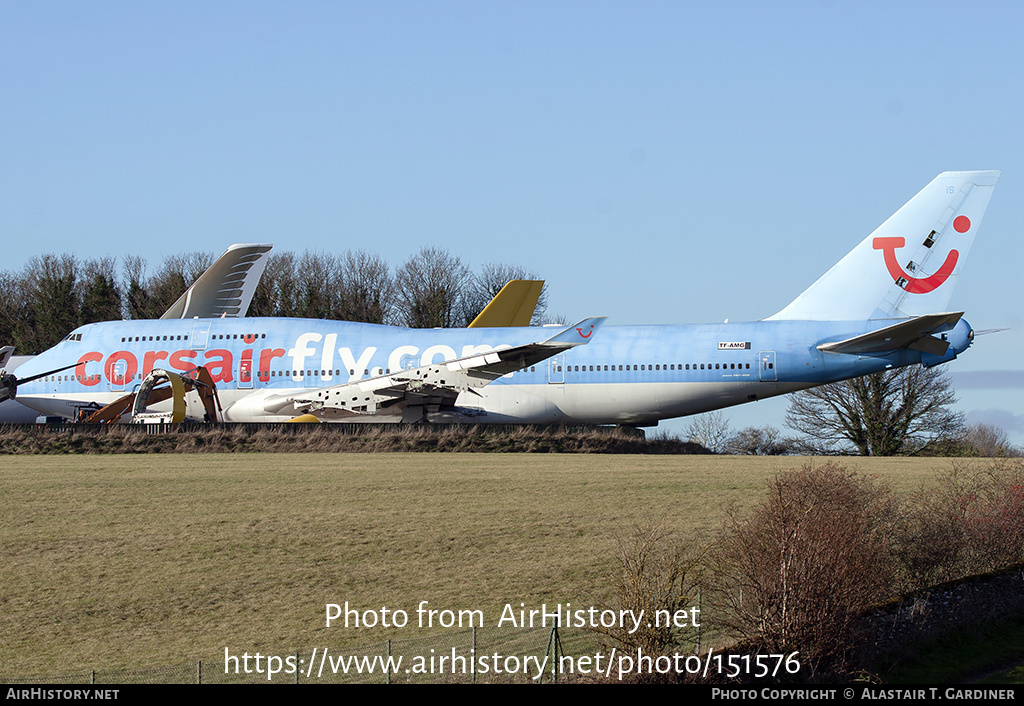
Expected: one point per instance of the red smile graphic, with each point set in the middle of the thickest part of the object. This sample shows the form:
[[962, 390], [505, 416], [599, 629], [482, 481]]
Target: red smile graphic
[[913, 285], [588, 334], [888, 246]]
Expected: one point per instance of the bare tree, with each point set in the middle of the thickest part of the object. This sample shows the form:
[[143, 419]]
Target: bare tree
[[969, 523], [429, 289], [14, 311], [177, 274], [989, 440], [318, 283], [896, 411], [150, 297], [275, 292], [659, 576], [995, 513], [367, 288], [136, 302], [711, 430], [932, 541], [759, 441]]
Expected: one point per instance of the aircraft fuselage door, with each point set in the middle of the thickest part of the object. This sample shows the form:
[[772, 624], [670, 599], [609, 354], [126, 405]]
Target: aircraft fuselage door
[[766, 362], [556, 368], [118, 375], [245, 374], [200, 335]]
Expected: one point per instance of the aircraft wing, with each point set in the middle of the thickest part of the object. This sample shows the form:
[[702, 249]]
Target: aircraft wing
[[915, 333], [226, 289], [434, 384]]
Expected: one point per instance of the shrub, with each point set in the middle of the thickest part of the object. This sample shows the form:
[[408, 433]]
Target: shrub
[[931, 541], [794, 574], [658, 573], [994, 514], [759, 441], [972, 523]]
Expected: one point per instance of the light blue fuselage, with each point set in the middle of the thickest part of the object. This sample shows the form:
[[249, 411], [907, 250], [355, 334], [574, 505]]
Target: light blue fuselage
[[626, 375]]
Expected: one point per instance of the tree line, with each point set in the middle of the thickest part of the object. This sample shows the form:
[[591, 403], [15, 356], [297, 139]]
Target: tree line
[[55, 293]]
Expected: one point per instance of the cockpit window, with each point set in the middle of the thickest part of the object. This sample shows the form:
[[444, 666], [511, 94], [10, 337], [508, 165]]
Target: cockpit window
[[73, 337]]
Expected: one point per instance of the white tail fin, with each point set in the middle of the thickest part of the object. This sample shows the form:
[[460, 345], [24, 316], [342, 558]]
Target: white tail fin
[[226, 288], [910, 264]]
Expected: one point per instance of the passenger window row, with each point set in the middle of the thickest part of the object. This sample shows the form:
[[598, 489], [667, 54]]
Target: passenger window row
[[655, 367]]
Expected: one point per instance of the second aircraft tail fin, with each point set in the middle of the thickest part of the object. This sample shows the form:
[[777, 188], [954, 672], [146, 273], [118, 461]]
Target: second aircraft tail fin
[[909, 265], [226, 288]]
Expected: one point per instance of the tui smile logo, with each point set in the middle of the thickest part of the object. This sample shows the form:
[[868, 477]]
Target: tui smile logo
[[588, 334], [922, 285]]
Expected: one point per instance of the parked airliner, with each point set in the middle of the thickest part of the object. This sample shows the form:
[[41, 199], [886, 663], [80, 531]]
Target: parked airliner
[[882, 306]]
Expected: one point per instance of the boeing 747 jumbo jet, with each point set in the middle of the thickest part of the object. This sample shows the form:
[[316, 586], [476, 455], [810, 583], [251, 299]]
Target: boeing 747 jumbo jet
[[882, 306]]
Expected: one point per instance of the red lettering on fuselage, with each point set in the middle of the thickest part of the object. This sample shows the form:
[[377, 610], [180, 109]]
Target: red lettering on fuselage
[[219, 362], [182, 360], [222, 364], [150, 359], [81, 374], [122, 367], [122, 376], [267, 355]]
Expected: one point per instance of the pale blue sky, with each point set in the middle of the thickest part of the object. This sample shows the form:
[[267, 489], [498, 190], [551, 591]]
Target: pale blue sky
[[656, 162]]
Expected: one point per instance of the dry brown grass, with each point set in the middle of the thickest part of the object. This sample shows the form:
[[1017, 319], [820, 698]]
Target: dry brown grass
[[113, 561]]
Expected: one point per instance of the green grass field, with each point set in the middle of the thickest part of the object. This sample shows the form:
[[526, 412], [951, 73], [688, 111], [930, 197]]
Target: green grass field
[[122, 561]]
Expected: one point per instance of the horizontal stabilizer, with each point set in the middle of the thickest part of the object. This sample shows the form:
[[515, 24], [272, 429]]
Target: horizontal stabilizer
[[913, 333]]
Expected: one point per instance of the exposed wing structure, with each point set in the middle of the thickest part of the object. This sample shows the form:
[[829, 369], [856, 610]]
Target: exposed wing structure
[[226, 289], [160, 385], [915, 333], [398, 394]]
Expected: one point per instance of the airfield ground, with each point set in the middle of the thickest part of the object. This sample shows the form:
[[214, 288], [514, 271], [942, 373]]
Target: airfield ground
[[117, 561]]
